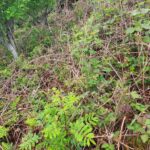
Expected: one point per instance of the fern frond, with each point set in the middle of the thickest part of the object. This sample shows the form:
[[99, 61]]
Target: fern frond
[[51, 131], [6, 146], [91, 119], [43, 145], [3, 131], [82, 132], [29, 141], [31, 122]]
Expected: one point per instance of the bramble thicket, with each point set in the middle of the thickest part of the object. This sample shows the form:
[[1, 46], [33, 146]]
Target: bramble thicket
[[74, 75]]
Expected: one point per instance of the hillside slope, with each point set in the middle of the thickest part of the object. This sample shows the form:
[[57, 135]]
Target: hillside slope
[[82, 82]]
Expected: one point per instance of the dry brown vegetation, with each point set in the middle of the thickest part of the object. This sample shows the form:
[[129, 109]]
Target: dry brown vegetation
[[98, 50]]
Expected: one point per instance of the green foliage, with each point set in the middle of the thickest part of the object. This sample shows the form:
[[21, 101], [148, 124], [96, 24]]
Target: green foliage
[[5, 73], [7, 146], [136, 127], [15, 9], [31, 44], [29, 141], [91, 119], [3, 131], [82, 132], [98, 49], [84, 39], [108, 146], [14, 12], [52, 131], [10, 115], [31, 122], [135, 95], [145, 138], [140, 107], [61, 125], [141, 125], [12, 9]]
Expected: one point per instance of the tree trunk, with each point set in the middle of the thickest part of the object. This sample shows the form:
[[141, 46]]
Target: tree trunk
[[12, 49], [11, 46], [7, 39]]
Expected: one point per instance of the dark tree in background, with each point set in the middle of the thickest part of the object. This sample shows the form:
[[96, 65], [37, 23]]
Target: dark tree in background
[[12, 11]]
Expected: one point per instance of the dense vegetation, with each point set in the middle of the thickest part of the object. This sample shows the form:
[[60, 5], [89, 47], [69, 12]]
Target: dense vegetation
[[74, 75]]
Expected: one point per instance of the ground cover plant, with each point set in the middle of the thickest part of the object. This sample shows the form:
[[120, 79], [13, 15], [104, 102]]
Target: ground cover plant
[[78, 77]]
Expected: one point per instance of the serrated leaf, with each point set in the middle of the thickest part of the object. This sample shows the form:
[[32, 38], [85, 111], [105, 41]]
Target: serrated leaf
[[29, 141], [145, 26], [135, 12], [147, 122], [107, 70], [144, 138], [135, 95], [130, 30], [138, 28], [31, 122], [145, 10], [3, 131], [139, 107], [7, 146], [141, 11], [107, 146], [135, 127], [93, 142], [146, 39]]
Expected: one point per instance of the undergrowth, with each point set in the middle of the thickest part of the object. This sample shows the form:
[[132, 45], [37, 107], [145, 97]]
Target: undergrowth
[[82, 82]]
